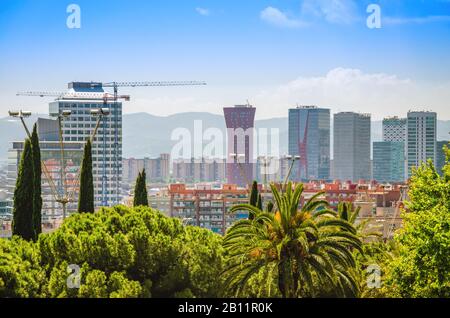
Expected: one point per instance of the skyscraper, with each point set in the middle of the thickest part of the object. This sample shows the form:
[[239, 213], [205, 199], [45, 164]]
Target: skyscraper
[[240, 121], [394, 129], [389, 161], [421, 138], [389, 156], [351, 146], [79, 127], [309, 138]]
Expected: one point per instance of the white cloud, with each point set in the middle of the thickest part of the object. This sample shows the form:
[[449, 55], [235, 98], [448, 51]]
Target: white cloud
[[333, 11], [278, 18], [343, 89], [416, 20], [203, 11]]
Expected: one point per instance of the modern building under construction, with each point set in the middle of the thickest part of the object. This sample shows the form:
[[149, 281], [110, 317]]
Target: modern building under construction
[[107, 145]]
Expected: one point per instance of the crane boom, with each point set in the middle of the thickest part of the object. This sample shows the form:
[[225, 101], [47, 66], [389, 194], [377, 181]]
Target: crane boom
[[155, 83]]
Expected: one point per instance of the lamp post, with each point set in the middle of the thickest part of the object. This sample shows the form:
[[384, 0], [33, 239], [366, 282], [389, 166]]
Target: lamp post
[[21, 114], [293, 160], [63, 199], [265, 161]]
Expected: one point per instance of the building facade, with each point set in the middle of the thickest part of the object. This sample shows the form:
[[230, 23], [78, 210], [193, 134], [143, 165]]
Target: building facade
[[199, 170], [240, 121], [51, 182], [157, 170], [394, 129], [440, 155], [421, 138], [309, 138], [389, 161], [107, 145], [207, 206], [352, 146]]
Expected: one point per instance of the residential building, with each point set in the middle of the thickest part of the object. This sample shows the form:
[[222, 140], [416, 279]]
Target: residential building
[[156, 169], [309, 138], [240, 121], [352, 146], [421, 138], [207, 206], [199, 170]]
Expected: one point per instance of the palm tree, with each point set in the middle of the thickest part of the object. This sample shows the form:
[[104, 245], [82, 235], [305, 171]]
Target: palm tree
[[347, 212], [305, 249]]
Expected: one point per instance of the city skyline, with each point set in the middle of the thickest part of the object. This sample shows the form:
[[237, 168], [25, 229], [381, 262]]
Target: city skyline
[[391, 70]]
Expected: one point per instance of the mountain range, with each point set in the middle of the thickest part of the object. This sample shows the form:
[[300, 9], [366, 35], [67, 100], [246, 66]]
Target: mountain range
[[146, 135]]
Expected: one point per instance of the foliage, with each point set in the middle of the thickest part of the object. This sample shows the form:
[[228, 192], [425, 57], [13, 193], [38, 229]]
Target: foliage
[[304, 249], [423, 266], [86, 196], [23, 196], [253, 200], [37, 171], [140, 190], [121, 252]]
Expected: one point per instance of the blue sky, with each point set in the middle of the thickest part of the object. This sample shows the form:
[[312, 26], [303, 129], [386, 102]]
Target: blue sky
[[274, 53]]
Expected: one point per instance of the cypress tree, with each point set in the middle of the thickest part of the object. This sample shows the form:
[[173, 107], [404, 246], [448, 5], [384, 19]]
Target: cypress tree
[[140, 190], [259, 203], [270, 206], [144, 198], [86, 196], [23, 196], [254, 194], [37, 170]]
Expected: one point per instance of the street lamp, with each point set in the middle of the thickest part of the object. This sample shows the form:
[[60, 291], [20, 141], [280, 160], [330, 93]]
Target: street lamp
[[265, 160], [293, 160], [21, 114]]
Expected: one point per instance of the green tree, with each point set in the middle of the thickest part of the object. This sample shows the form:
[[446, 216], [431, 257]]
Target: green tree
[[23, 196], [253, 200], [37, 171], [305, 250], [86, 196], [259, 203], [347, 212], [270, 206], [423, 266], [140, 190]]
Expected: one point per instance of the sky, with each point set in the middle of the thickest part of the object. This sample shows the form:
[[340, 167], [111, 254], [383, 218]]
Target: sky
[[276, 54]]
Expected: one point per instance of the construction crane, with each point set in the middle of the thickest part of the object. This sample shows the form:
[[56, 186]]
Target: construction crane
[[115, 113]]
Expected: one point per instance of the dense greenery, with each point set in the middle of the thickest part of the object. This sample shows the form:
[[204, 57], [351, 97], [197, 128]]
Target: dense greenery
[[37, 172], [86, 196], [305, 250], [286, 251], [140, 190], [423, 266], [23, 196], [121, 252]]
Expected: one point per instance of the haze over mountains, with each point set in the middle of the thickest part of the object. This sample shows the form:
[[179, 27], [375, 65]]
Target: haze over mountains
[[146, 135]]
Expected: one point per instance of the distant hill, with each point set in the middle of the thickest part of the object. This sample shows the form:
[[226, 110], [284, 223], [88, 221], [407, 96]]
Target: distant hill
[[146, 135]]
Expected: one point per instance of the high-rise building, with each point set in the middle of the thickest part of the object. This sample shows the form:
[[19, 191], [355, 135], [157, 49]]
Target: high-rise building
[[157, 170], [352, 146], [309, 138], [107, 146], [240, 121], [421, 138], [199, 170], [441, 156], [394, 129], [389, 161]]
